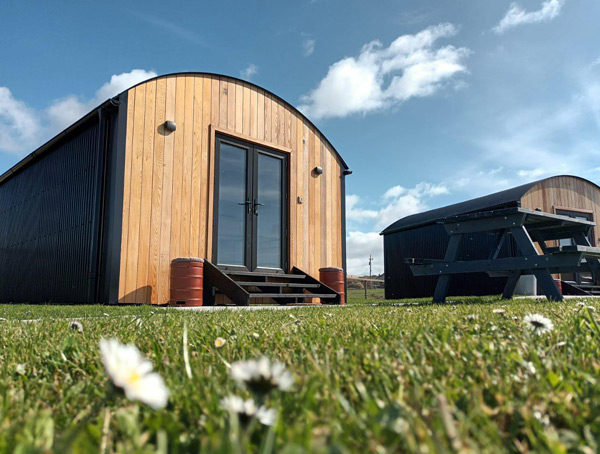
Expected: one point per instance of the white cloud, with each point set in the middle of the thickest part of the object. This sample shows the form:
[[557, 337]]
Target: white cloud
[[532, 173], [65, 111], [398, 202], [308, 45], [518, 16], [530, 142], [250, 71], [19, 125], [357, 214], [359, 245], [394, 191], [121, 82], [23, 128], [407, 202], [382, 77]]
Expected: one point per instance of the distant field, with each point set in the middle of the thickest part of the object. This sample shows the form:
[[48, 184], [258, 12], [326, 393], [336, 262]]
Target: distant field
[[416, 378]]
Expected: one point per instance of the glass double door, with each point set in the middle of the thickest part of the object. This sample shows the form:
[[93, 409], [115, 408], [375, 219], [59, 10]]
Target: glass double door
[[250, 206]]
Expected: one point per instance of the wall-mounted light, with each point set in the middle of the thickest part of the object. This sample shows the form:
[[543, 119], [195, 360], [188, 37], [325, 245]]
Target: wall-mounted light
[[318, 170], [170, 126]]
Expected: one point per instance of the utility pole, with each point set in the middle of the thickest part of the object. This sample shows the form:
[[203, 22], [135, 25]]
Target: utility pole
[[370, 274]]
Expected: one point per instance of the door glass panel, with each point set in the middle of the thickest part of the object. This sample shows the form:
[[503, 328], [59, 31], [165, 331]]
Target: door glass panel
[[232, 216], [268, 248]]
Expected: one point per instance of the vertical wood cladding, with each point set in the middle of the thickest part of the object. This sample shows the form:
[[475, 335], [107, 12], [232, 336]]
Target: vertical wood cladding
[[168, 185], [565, 192]]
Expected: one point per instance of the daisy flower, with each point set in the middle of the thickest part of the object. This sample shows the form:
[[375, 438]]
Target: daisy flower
[[130, 371], [77, 326], [261, 376], [499, 311], [219, 342], [247, 409], [538, 323]]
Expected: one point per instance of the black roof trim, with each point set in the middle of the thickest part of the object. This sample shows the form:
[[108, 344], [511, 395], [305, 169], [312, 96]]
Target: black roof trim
[[39, 151], [498, 200]]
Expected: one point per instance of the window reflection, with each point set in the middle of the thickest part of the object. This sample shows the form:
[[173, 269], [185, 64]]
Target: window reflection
[[231, 215]]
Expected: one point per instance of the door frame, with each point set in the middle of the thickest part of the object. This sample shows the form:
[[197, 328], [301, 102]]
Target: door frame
[[253, 150]]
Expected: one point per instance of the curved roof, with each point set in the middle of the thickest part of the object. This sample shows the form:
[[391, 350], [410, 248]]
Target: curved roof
[[503, 199], [40, 150], [304, 117]]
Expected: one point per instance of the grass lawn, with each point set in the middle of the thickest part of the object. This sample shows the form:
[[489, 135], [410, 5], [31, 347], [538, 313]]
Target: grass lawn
[[373, 377]]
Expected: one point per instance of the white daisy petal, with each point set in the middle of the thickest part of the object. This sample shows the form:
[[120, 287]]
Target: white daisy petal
[[266, 416], [538, 324], [129, 370], [262, 376]]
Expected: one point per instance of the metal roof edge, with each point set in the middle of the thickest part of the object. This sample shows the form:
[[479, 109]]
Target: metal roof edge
[[513, 195]]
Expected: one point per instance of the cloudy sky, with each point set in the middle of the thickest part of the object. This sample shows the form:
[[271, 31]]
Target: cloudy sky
[[429, 102]]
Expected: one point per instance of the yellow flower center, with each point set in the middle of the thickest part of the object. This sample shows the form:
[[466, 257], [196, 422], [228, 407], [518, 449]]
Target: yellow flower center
[[133, 378]]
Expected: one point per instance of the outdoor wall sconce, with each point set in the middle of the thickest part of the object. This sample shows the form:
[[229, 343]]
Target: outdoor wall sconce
[[318, 170], [170, 126]]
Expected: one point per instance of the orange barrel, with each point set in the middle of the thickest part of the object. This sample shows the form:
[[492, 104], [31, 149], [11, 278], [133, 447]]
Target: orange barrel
[[187, 275], [334, 278]]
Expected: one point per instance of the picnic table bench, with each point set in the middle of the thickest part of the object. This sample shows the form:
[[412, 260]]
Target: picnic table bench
[[526, 227]]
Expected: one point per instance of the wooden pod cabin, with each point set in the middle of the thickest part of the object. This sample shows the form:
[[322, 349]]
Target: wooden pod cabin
[[419, 235], [183, 165]]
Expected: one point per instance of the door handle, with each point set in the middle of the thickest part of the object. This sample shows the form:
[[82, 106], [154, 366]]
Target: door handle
[[256, 205], [246, 203]]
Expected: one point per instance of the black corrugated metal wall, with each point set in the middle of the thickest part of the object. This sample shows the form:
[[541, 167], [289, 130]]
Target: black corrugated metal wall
[[430, 242], [47, 234]]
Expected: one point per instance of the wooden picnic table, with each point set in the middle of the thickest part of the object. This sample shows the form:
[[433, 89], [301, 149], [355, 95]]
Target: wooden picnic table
[[526, 227]]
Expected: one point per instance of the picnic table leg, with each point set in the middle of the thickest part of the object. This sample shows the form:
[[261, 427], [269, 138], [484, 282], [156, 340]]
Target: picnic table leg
[[543, 276], [582, 240], [548, 285], [511, 284], [443, 282]]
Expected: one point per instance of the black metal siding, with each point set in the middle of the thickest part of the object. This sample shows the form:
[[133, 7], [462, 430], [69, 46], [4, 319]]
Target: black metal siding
[[47, 235], [431, 242]]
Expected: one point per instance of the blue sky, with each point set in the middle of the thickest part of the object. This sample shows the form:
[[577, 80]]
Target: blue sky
[[429, 102]]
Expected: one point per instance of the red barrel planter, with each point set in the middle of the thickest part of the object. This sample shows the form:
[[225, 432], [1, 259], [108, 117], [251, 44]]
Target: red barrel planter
[[187, 276], [334, 278]]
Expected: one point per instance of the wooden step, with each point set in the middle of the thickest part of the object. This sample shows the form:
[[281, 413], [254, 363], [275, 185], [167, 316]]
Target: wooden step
[[276, 284], [266, 275], [292, 295]]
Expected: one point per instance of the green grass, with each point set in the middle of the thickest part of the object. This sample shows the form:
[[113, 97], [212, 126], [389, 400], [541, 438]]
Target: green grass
[[370, 378]]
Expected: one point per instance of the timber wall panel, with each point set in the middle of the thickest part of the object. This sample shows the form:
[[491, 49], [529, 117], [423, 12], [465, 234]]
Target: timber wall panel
[[169, 177], [565, 192]]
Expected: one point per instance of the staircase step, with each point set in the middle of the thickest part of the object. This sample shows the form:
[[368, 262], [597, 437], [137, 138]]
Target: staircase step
[[276, 284], [250, 273], [292, 295]]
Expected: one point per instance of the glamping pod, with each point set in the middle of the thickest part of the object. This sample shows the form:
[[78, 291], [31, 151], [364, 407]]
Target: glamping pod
[[183, 165], [421, 235]]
